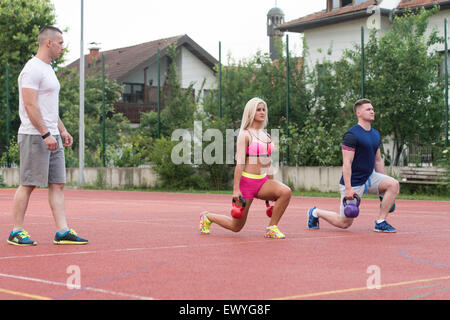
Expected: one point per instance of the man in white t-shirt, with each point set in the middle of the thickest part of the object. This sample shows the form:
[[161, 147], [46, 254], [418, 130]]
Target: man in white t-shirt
[[41, 138]]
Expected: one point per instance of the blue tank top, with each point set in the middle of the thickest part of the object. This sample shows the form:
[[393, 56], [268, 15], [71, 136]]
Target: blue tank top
[[365, 144]]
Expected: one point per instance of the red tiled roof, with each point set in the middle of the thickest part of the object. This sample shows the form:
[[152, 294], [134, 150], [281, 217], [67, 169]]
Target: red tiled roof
[[416, 3], [122, 61], [326, 14]]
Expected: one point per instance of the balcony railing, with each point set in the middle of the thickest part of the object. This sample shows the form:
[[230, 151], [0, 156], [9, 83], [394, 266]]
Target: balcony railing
[[133, 104], [133, 110]]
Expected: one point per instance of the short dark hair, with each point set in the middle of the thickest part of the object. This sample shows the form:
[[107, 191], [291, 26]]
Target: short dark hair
[[49, 28], [359, 103], [45, 31]]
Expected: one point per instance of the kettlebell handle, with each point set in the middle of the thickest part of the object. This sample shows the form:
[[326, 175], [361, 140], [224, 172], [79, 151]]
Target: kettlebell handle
[[242, 200], [358, 200], [269, 209]]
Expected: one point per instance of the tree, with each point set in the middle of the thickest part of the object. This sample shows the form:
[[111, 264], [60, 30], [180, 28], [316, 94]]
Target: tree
[[403, 81], [20, 23], [116, 124], [179, 103], [236, 80], [322, 112], [261, 77]]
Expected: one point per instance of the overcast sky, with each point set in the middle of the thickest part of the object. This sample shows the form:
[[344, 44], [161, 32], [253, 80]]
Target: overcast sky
[[239, 24]]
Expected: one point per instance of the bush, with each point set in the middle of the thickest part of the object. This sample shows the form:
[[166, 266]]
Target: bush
[[174, 176], [219, 174], [12, 153]]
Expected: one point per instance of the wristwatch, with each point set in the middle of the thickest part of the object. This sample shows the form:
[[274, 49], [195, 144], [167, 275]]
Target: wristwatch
[[46, 135]]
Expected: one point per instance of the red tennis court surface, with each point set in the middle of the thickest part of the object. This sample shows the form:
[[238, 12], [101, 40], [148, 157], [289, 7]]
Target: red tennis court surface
[[148, 246]]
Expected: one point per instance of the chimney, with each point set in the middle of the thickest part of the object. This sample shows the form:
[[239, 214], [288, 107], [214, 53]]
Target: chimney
[[94, 55]]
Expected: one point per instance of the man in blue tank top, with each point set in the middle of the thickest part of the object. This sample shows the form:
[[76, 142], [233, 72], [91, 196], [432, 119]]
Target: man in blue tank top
[[362, 172]]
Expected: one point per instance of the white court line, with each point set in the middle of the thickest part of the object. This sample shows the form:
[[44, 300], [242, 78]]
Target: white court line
[[62, 284], [90, 252]]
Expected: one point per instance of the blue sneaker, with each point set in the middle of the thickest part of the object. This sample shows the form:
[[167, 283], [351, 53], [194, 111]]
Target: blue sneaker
[[313, 222], [21, 238], [69, 237], [384, 227]]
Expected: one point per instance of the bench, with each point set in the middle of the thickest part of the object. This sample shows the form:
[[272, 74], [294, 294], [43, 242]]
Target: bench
[[423, 175]]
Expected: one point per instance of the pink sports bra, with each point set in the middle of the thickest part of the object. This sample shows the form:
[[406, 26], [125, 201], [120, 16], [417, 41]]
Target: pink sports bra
[[260, 148]]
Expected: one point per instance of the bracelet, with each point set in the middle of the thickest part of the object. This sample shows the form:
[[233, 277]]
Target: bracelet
[[46, 135]]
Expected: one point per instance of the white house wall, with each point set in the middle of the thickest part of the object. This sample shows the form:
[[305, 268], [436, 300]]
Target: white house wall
[[329, 42], [345, 34], [152, 74], [193, 70], [137, 77], [437, 21], [335, 38]]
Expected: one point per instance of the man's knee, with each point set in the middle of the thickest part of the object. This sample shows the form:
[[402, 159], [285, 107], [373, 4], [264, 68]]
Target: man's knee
[[25, 189], [394, 186], [56, 186], [389, 185], [397, 186]]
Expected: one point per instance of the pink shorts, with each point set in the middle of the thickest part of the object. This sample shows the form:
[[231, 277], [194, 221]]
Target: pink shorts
[[250, 184]]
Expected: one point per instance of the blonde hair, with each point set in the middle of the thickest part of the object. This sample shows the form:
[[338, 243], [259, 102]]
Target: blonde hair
[[249, 113]]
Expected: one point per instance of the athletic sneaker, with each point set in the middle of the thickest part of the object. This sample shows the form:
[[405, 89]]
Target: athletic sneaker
[[21, 238], [384, 227], [69, 237], [204, 223], [313, 222], [274, 233]]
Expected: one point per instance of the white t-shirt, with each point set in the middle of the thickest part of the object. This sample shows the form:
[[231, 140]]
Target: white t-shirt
[[40, 76]]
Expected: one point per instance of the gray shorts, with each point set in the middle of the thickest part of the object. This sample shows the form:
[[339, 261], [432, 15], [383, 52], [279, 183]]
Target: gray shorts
[[39, 166], [371, 187]]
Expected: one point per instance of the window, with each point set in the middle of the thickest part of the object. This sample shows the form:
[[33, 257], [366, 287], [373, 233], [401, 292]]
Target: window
[[336, 4], [346, 2], [133, 93]]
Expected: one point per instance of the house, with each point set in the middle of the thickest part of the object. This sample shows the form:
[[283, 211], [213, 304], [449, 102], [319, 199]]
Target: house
[[420, 153], [328, 32], [338, 27], [136, 68], [436, 21]]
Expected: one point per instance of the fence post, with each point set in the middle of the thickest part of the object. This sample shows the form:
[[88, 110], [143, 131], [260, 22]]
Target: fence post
[[287, 96], [363, 71], [8, 117], [103, 113], [220, 79], [159, 93], [446, 83], [81, 147]]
